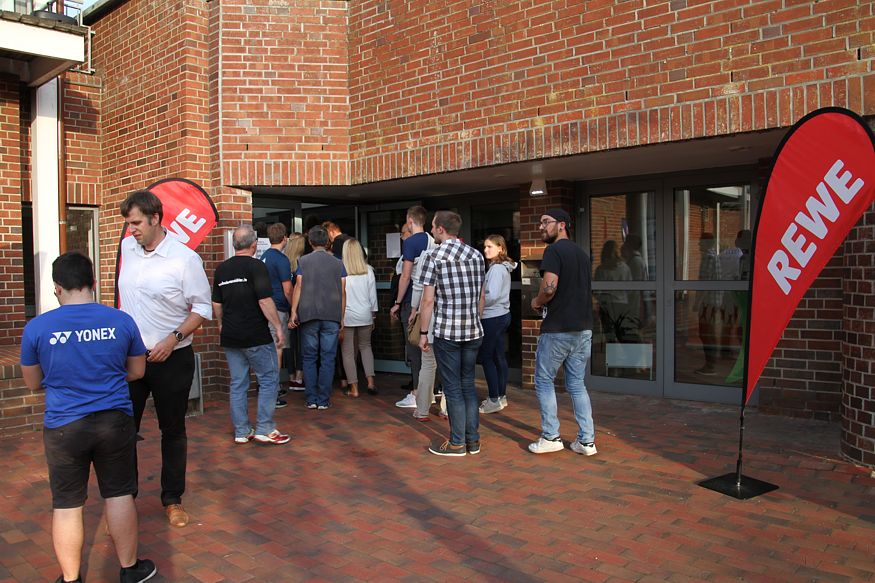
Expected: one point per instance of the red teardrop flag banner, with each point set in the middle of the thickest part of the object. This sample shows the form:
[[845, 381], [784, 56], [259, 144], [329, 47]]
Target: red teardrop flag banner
[[189, 215], [822, 183]]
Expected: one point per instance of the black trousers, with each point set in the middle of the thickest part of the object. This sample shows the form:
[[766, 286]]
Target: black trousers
[[169, 383]]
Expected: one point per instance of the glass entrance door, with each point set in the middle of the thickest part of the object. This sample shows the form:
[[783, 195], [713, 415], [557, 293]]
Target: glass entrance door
[[710, 246], [671, 262], [622, 230]]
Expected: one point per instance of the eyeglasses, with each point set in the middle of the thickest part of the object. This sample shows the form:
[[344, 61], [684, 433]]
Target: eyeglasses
[[545, 223]]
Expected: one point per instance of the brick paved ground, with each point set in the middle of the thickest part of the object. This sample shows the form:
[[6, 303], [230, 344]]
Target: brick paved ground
[[355, 496]]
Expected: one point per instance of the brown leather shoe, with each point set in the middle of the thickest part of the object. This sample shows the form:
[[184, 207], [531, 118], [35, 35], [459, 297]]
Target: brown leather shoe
[[176, 515]]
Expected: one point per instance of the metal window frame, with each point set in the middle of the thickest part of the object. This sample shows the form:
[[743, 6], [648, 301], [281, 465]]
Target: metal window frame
[[664, 285]]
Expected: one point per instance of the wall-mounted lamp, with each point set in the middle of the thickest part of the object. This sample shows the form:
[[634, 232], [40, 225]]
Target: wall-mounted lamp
[[538, 187]]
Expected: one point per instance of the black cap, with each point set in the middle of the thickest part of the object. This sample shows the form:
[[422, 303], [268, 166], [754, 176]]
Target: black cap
[[560, 215]]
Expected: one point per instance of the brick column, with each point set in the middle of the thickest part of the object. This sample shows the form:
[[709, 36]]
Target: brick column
[[858, 347], [559, 194], [11, 259]]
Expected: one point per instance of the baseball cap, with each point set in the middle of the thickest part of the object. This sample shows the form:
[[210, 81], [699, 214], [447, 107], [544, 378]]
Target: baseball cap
[[559, 214]]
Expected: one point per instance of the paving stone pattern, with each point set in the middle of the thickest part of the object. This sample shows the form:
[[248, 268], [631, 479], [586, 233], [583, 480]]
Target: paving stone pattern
[[355, 496]]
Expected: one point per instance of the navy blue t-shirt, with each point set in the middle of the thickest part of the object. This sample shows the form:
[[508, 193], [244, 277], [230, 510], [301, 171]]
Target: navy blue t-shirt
[[279, 268], [411, 249], [82, 350]]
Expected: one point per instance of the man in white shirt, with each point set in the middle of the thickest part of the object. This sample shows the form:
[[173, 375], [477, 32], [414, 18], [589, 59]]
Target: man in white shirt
[[163, 286]]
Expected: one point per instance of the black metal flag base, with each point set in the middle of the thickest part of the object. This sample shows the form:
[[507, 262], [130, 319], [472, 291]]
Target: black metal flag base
[[738, 486]]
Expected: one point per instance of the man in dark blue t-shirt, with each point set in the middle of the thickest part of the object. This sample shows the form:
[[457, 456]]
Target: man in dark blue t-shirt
[[84, 354], [565, 299], [411, 249], [279, 268]]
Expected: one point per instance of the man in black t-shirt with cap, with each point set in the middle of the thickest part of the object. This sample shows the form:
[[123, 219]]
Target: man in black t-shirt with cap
[[565, 301]]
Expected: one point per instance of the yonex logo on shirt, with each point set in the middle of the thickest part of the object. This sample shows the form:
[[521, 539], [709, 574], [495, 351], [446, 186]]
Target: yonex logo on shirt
[[59, 337], [87, 335]]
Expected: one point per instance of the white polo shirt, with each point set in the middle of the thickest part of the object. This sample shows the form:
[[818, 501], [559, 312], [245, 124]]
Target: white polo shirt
[[159, 289]]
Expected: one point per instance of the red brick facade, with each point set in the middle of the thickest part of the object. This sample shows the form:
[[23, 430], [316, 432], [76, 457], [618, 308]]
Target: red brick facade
[[284, 91], [234, 93], [858, 345], [438, 88], [12, 155]]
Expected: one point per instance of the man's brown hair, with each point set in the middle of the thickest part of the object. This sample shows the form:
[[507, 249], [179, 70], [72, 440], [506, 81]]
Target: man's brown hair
[[276, 233], [450, 222], [418, 215]]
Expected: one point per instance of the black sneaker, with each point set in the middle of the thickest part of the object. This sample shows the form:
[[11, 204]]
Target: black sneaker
[[473, 447], [281, 403], [282, 392], [142, 570], [62, 580]]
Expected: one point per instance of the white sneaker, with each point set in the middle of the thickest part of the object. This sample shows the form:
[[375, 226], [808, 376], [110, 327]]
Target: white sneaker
[[583, 448], [490, 406], [503, 401], [407, 402], [544, 445]]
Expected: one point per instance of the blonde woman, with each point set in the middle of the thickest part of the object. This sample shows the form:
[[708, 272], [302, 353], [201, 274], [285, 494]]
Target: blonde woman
[[358, 320], [295, 247]]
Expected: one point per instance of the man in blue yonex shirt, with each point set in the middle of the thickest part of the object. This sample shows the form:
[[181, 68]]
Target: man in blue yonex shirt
[[89, 416]]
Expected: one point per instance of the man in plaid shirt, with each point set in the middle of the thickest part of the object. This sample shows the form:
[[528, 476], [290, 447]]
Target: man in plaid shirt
[[452, 278]]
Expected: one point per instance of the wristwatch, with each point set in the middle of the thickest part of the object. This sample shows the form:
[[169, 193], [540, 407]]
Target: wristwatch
[[423, 332], [397, 303], [178, 335]]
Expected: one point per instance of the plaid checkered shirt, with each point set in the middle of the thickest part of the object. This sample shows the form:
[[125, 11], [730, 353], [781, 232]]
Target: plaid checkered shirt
[[457, 272]]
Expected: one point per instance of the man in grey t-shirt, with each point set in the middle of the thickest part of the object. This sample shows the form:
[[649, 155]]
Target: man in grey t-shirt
[[318, 304]]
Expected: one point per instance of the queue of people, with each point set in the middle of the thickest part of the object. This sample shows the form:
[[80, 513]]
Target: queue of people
[[453, 305]]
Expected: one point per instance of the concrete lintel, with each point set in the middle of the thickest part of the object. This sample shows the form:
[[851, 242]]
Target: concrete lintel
[[34, 41]]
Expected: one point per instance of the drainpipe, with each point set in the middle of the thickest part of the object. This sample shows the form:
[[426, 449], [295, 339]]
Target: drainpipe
[[62, 158], [62, 170]]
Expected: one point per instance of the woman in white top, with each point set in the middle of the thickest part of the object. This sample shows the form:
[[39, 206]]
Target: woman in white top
[[358, 320], [496, 320]]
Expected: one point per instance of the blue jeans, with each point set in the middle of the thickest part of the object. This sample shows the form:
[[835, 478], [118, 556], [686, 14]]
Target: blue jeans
[[571, 349], [319, 343], [492, 354], [456, 361], [262, 360]]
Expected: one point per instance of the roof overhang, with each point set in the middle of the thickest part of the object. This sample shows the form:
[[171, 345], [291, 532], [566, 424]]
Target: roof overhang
[[37, 50], [743, 149]]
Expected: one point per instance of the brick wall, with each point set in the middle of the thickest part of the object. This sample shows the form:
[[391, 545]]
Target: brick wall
[[437, 87], [804, 376], [21, 409], [154, 121], [329, 92], [11, 168], [858, 346], [84, 162], [284, 91], [151, 62]]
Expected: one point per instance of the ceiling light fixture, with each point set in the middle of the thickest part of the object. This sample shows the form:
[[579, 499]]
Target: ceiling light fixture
[[538, 187]]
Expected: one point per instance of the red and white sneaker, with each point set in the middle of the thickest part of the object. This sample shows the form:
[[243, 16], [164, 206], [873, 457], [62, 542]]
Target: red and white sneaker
[[274, 437], [245, 438], [296, 385]]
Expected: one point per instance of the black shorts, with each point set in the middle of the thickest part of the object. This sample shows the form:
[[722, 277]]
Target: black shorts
[[106, 439]]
